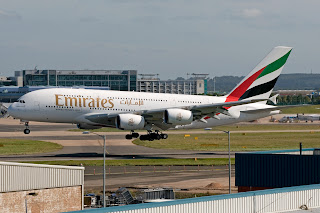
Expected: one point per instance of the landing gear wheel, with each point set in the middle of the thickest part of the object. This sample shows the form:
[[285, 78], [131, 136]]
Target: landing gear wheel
[[144, 137], [135, 135], [128, 137], [155, 136], [26, 131], [164, 136]]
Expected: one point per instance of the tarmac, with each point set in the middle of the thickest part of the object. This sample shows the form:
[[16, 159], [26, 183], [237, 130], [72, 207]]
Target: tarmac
[[79, 146]]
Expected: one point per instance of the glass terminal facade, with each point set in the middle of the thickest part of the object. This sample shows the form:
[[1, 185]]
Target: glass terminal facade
[[123, 80]]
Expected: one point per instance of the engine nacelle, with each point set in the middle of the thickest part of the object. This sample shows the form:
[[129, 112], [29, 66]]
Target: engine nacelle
[[178, 116], [87, 126], [130, 122]]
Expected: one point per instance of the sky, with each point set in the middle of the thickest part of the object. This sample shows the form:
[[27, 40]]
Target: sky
[[170, 38]]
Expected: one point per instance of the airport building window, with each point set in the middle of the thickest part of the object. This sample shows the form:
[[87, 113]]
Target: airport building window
[[116, 79]]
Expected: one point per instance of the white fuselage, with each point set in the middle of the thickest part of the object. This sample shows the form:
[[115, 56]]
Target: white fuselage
[[73, 105]]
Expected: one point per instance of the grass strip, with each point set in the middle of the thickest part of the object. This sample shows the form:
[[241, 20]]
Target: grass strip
[[239, 141], [235, 127], [310, 109], [141, 162], [23, 147], [267, 127]]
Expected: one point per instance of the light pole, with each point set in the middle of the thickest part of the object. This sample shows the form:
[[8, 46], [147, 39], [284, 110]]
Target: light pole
[[228, 132], [104, 165], [229, 161], [26, 201]]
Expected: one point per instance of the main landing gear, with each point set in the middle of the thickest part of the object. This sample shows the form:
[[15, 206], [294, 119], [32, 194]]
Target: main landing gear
[[149, 137], [153, 136], [132, 135], [26, 130]]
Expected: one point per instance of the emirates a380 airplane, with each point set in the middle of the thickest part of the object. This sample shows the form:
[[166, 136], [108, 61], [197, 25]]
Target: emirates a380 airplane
[[131, 111]]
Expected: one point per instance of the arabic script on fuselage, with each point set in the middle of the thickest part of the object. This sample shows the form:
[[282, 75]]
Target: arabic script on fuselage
[[131, 102]]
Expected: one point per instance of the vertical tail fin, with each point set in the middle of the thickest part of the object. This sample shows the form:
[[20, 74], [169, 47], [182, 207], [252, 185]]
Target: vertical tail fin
[[260, 82]]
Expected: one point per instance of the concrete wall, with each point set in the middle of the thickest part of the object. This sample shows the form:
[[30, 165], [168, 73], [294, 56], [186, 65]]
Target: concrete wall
[[47, 200]]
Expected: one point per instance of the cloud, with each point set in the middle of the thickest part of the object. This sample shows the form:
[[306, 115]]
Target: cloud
[[251, 13], [9, 15]]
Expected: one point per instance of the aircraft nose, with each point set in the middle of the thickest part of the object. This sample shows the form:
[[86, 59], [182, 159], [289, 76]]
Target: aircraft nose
[[12, 111]]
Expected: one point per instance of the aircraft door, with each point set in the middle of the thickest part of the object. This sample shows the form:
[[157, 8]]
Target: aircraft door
[[172, 101]]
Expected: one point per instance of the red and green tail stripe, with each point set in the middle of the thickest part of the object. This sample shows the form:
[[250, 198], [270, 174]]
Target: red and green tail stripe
[[242, 92]]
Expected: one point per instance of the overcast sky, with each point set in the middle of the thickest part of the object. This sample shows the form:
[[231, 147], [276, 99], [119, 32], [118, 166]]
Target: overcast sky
[[168, 37]]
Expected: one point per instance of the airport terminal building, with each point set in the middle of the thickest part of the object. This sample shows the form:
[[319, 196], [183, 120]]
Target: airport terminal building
[[191, 86], [123, 80]]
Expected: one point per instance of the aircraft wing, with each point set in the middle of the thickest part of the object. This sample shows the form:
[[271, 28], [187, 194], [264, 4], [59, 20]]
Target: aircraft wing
[[212, 109], [199, 111], [156, 116]]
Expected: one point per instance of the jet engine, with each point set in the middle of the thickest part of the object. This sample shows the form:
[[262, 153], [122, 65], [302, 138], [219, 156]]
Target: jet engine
[[130, 122], [87, 126], [178, 116]]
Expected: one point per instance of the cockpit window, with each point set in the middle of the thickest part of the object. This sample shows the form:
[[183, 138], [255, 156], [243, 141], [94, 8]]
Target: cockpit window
[[22, 101]]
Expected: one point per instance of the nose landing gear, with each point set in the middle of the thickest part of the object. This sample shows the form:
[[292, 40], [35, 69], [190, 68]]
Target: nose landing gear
[[26, 130]]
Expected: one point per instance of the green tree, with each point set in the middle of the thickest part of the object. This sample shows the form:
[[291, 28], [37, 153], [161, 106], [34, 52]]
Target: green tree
[[289, 99]]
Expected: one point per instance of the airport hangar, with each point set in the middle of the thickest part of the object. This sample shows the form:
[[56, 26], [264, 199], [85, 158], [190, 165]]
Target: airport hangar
[[292, 176], [40, 188]]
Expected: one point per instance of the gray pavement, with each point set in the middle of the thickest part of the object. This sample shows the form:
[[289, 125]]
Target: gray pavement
[[35, 127], [157, 176], [77, 146]]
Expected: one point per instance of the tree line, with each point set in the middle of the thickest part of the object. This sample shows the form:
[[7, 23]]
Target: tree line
[[297, 99]]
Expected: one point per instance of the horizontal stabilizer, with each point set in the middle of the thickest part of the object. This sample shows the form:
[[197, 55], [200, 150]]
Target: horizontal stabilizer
[[273, 99], [273, 108]]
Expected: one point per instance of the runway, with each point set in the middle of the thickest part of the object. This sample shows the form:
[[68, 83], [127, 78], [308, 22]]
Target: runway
[[77, 146], [178, 177]]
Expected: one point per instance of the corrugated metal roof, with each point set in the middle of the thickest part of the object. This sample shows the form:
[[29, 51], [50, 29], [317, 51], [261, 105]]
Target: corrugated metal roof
[[25, 176], [41, 165], [291, 151], [191, 201]]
